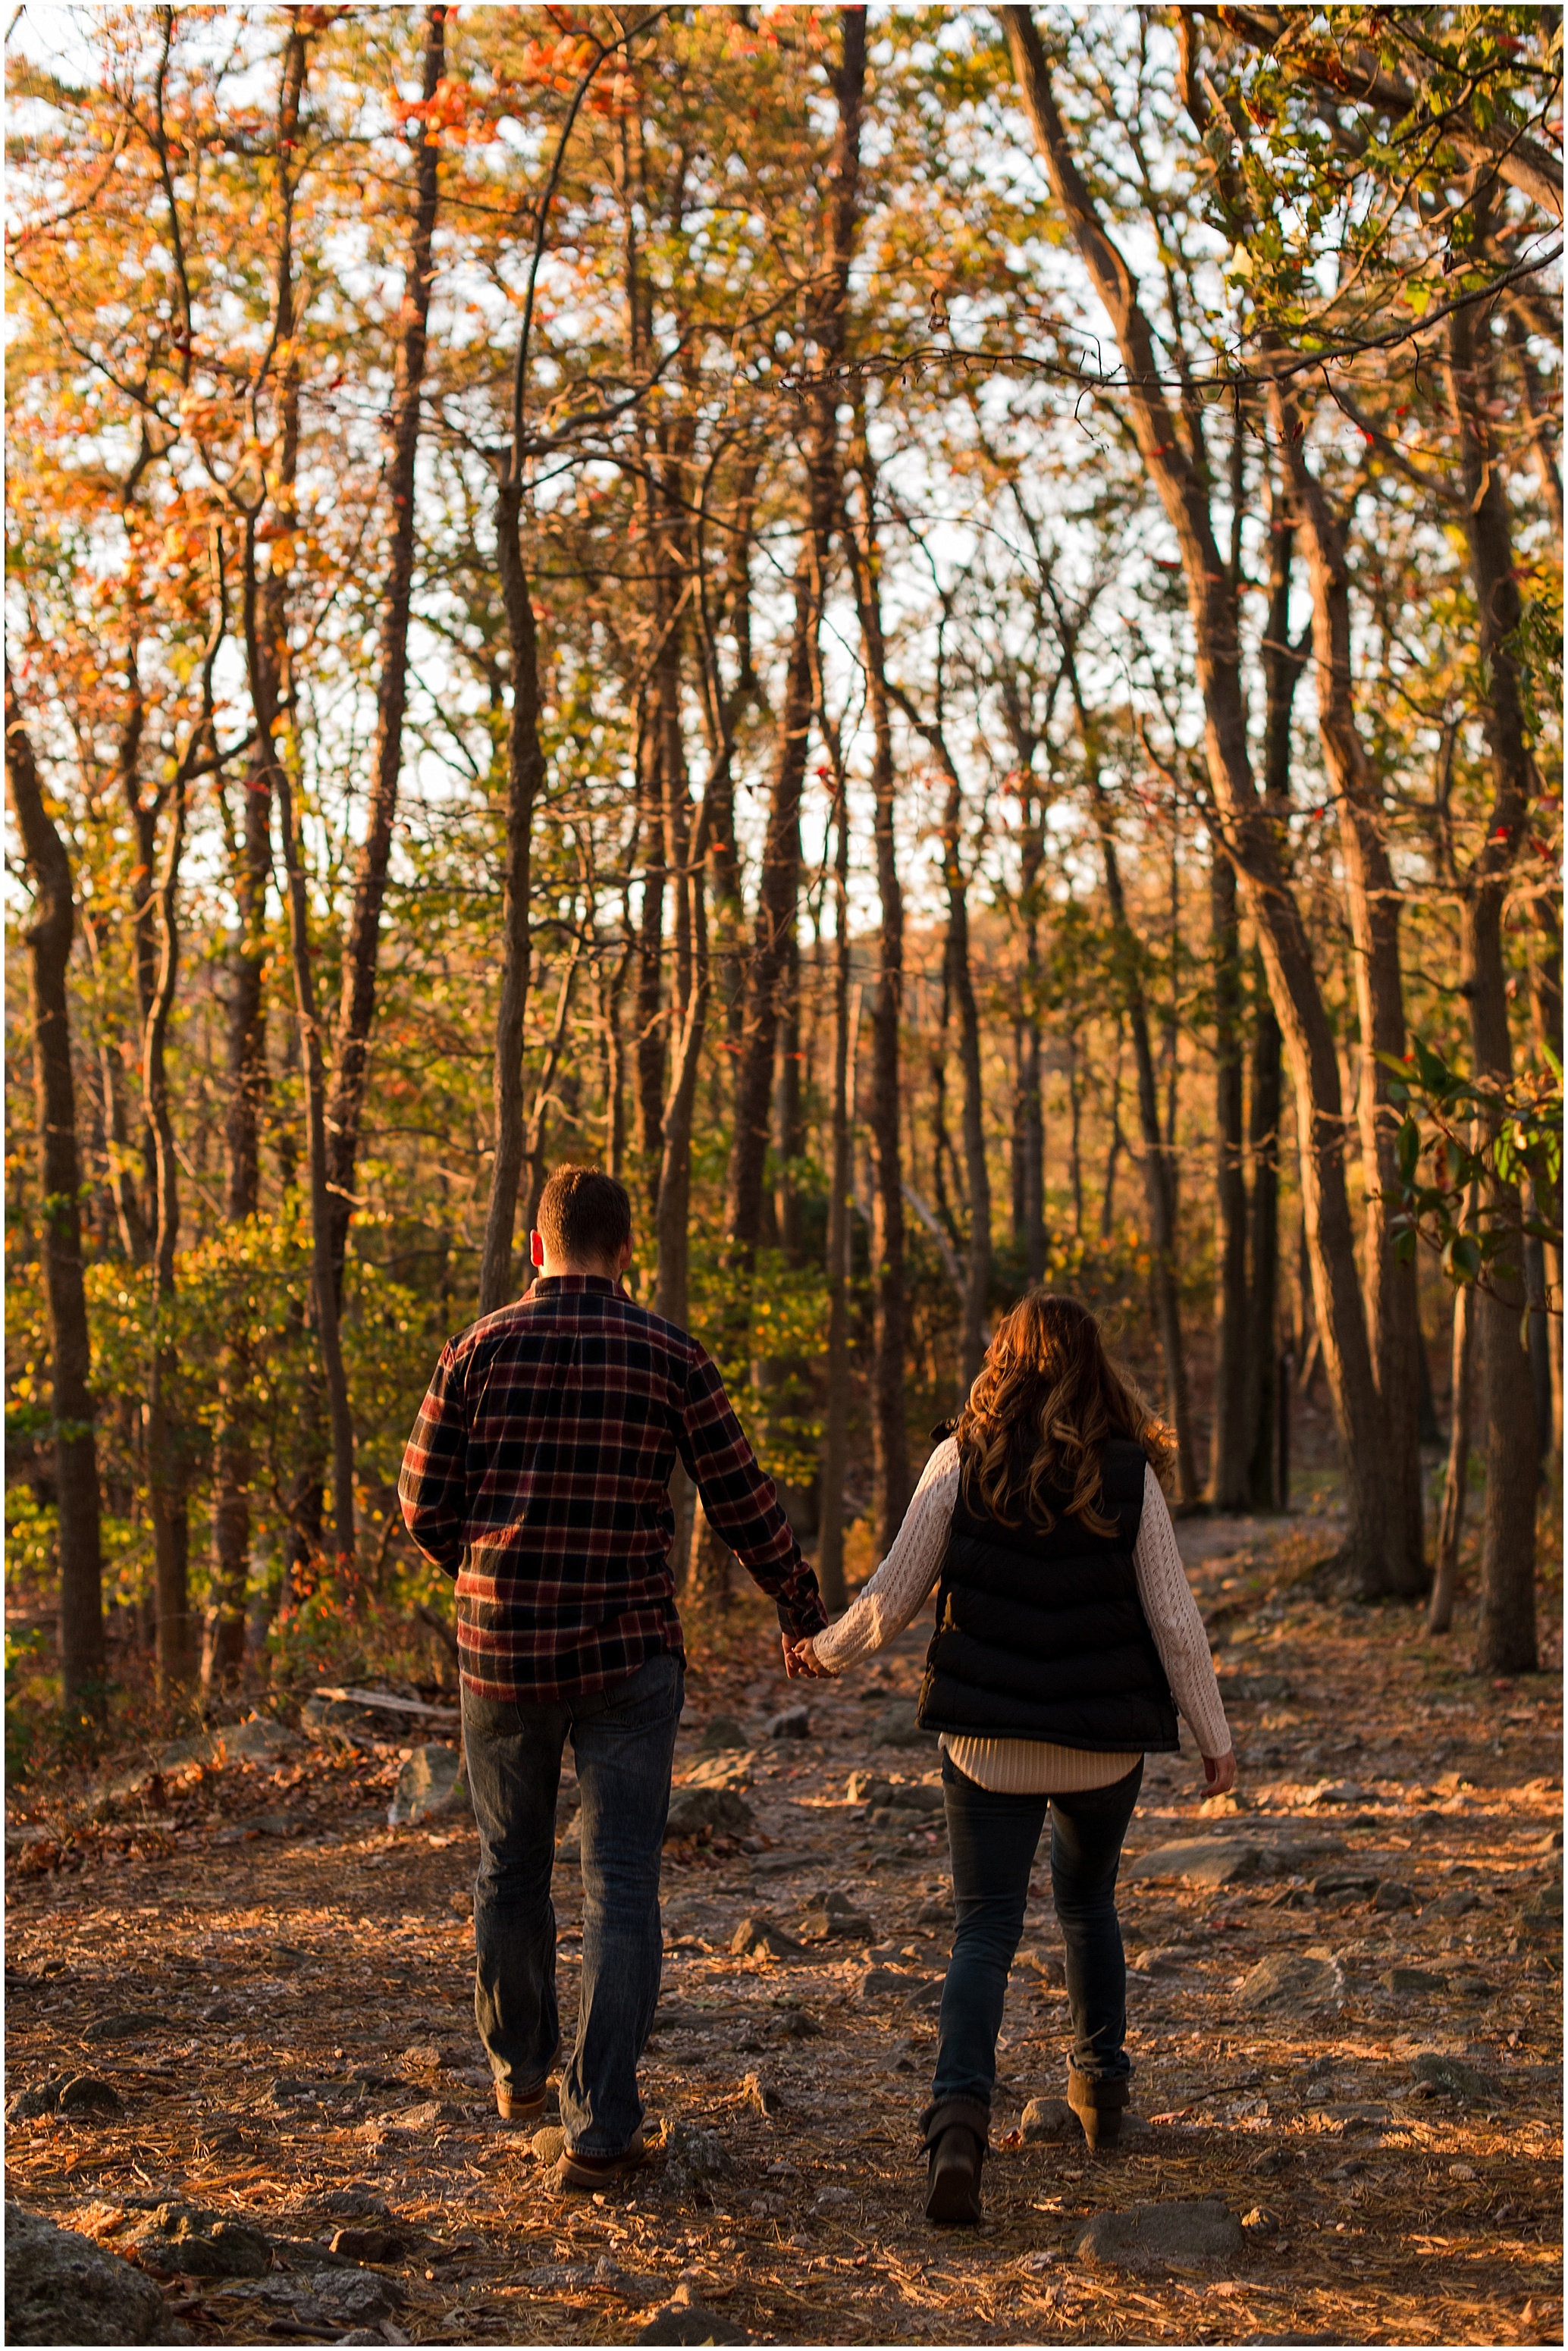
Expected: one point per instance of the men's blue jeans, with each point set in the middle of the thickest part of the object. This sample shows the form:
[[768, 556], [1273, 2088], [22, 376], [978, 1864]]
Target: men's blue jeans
[[993, 1839], [623, 1739]]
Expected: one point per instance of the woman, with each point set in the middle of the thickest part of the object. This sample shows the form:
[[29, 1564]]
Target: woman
[[1065, 1630]]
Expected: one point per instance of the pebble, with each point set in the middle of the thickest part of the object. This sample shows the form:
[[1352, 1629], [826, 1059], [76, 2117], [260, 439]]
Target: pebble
[[1203, 2230], [1453, 2074], [793, 1722], [1414, 1980], [1199, 1861], [124, 2025], [717, 1810], [1285, 1979], [722, 1732], [1050, 2120], [758, 1938], [893, 1725]]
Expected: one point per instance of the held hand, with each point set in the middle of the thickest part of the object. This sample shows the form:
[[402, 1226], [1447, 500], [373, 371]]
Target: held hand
[[1219, 1770], [801, 1661]]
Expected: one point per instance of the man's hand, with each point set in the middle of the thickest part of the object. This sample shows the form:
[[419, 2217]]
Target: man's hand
[[1219, 1770], [800, 1660]]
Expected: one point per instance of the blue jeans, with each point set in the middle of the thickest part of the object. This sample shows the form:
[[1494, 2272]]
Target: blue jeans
[[623, 1739], [992, 1839]]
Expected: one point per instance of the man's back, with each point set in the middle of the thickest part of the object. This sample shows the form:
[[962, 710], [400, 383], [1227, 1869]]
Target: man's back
[[538, 1474]]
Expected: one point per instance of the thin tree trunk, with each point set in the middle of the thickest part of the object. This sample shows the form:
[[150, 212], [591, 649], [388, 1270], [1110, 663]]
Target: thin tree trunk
[[890, 1433], [524, 774], [1393, 1318], [1229, 1464], [779, 887], [48, 936], [1506, 1639], [1375, 1547], [361, 946], [1456, 1482], [835, 1427], [170, 1541]]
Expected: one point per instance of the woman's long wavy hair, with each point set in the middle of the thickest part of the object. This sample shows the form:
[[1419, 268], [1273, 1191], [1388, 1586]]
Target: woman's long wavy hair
[[1046, 1398]]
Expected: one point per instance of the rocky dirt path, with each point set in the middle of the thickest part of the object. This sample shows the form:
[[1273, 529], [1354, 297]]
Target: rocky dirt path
[[1345, 2018]]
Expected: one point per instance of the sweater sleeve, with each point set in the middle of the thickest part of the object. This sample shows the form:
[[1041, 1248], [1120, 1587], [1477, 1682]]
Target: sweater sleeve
[[901, 1584], [1175, 1623]]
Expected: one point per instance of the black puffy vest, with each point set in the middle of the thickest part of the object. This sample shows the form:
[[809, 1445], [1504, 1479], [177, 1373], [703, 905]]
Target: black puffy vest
[[1043, 1636]]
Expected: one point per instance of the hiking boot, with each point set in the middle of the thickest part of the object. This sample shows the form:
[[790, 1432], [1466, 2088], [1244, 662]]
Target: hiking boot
[[575, 2171], [521, 2109], [1099, 2106], [956, 2135]]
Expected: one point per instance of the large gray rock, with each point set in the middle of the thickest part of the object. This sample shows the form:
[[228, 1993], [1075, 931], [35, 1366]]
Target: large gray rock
[[62, 2288], [1453, 2074], [1203, 2230], [719, 1811], [1199, 1861], [259, 1741], [893, 1725], [1051, 2120], [430, 1784], [1288, 1980], [684, 2319], [723, 1732], [189, 2242]]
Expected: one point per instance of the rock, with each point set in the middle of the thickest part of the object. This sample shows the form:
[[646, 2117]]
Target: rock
[[868, 1788], [1332, 1882], [1203, 2230], [934, 1914], [258, 1740], [1472, 1987], [1261, 2221], [1285, 1979], [794, 1722], [429, 1786], [192, 2242], [928, 1995], [893, 1725], [1453, 2074], [919, 1798], [372, 2244], [881, 1983], [1337, 1791], [420, 2057], [549, 2144], [423, 2117], [732, 1769], [1394, 1894], [358, 2297], [758, 1938], [684, 2319], [1414, 1980], [1199, 1861], [62, 2288], [87, 2094], [762, 2097], [719, 1811], [722, 1732], [1543, 1914], [833, 1919], [123, 2025], [1454, 1903], [1050, 2120], [693, 2158], [355, 2204]]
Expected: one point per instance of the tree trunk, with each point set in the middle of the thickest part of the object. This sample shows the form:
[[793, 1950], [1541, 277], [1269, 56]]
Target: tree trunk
[[1456, 1482], [889, 1431], [170, 1536], [524, 774], [1375, 1546], [1506, 1640], [48, 940], [1228, 1482], [835, 1427], [779, 887], [1392, 1317], [363, 946]]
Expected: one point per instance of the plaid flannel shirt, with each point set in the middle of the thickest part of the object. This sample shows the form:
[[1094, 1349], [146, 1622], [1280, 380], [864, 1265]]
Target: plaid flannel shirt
[[538, 1475]]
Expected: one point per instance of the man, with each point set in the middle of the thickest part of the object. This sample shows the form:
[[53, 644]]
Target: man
[[538, 1475]]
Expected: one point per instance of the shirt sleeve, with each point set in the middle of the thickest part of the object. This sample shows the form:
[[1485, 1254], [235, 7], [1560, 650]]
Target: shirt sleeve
[[741, 1502], [432, 1485], [1175, 1623], [896, 1592]]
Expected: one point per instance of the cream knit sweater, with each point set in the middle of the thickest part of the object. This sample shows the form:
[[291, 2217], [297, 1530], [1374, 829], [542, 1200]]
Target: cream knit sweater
[[1033, 1766]]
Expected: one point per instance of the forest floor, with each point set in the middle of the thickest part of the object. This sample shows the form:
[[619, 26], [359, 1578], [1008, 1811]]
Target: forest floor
[[305, 2053]]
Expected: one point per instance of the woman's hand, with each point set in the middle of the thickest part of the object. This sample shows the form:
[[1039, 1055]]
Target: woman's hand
[[801, 1662], [1219, 1770]]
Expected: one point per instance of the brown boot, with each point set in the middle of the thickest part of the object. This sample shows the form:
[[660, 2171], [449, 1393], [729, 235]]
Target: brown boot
[[1099, 2106], [956, 2135], [521, 2109]]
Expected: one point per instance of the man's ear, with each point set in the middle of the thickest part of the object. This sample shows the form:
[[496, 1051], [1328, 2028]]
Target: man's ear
[[536, 1251]]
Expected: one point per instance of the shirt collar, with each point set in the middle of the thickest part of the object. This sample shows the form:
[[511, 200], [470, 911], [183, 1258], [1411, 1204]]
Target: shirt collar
[[551, 1283]]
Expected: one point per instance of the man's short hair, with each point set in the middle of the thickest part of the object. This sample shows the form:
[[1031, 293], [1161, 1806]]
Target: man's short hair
[[584, 1212]]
